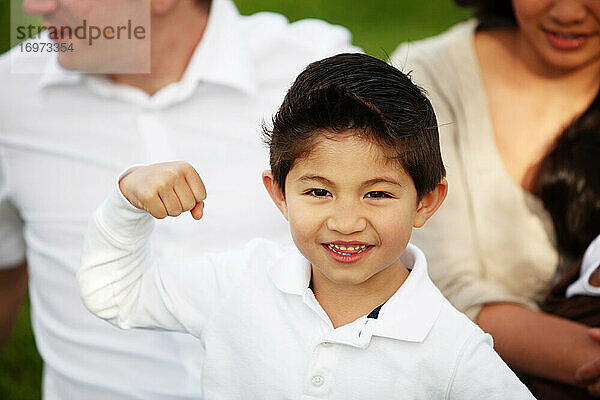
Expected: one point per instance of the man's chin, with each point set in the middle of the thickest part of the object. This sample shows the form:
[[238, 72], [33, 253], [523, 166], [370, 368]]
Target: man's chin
[[70, 61], [80, 63], [67, 63]]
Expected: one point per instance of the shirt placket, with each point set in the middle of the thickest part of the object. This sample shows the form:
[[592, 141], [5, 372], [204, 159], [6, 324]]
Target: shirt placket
[[320, 377], [155, 137]]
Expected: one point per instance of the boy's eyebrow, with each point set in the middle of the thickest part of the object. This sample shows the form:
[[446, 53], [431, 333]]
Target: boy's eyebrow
[[384, 179], [318, 178], [370, 182]]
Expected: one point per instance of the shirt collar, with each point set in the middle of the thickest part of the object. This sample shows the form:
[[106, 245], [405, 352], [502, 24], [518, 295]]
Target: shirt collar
[[412, 311], [220, 58], [408, 315], [292, 274]]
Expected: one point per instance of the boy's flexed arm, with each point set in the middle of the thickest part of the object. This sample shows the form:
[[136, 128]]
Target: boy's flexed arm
[[120, 281]]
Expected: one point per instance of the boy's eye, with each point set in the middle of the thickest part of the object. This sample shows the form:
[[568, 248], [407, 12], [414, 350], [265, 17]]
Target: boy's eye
[[318, 192], [378, 195]]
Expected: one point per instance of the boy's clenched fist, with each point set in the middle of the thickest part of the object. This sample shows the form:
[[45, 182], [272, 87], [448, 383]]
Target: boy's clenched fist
[[165, 189]]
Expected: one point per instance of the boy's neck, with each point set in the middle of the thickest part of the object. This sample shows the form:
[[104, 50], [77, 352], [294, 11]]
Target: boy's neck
[[345, 303]]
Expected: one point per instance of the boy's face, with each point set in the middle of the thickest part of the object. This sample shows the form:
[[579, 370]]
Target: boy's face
[[350, 209]]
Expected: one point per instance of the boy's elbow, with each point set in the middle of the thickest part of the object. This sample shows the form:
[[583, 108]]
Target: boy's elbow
[[97, 295]]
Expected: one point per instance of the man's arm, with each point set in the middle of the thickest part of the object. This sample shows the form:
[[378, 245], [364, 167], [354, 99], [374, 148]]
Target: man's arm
[[13, 286], [539, 344]]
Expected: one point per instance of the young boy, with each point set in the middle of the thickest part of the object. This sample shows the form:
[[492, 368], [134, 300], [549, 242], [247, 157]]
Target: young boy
[[350, 312]]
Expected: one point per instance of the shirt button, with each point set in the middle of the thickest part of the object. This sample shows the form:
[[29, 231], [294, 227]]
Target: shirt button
[[317, 380], [327, 344]]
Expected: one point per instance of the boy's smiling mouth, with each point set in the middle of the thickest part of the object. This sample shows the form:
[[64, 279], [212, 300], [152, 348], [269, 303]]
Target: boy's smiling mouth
[[347, 252]]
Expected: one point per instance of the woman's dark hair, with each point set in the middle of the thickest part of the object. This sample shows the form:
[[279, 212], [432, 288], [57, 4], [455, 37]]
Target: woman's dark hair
[[568, 182], [491, 13], [365, 96]]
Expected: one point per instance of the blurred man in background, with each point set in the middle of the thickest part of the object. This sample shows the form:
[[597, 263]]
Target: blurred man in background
[[195, 87]]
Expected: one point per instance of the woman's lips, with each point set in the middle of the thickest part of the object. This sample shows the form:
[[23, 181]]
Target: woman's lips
[[564, 41]]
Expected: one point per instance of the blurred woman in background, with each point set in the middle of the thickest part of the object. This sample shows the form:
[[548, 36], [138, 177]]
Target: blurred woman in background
[[504, 86]]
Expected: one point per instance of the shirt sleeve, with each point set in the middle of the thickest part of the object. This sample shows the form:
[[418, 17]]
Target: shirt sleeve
[[480, 373], [449, 238], [125, 282], [12, 244]]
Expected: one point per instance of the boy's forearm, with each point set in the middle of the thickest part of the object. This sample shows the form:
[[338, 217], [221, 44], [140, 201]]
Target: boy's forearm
[[13, 287], [111, 242], [536, 343], [115, 271]]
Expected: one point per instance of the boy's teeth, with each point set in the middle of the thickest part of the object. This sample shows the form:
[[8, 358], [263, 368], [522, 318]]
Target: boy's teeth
[[340, 248]]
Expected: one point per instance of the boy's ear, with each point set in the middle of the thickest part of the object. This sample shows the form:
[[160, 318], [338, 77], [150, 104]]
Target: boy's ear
[[275, 192], [429, 204]]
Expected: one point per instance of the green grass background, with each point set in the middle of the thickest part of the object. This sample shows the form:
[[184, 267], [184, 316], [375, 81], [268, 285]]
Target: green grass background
[[377, 26]]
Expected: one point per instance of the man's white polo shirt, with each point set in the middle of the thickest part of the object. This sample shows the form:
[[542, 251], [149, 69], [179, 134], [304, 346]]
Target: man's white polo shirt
[[265, 334], [63, 138]]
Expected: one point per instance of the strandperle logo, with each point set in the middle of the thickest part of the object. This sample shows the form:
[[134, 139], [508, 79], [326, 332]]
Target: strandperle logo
[[84, 31], [88, 36]]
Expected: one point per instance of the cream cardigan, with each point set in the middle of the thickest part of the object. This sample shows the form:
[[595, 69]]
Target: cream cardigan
[[490, 241]]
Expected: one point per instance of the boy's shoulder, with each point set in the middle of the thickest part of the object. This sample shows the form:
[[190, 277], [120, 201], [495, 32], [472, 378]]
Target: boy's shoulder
[[453, 328], [431, 333], [451, 335]]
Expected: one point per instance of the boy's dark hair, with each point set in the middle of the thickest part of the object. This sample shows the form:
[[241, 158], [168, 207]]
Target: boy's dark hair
[[568, 182], [363, 94], [491, 13]]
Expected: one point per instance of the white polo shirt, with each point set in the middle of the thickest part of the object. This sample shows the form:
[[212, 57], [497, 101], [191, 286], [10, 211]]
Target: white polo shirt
[[63, 138], [265, 334]]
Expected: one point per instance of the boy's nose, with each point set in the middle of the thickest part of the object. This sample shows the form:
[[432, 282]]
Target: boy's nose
[[37, 7], [346, 220]]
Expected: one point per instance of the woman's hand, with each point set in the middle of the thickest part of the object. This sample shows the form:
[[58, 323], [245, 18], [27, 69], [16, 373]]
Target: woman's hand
[[544, 345], [589, 373]]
